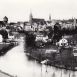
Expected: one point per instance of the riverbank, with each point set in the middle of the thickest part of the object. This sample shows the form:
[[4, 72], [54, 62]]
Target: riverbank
[[40, 53], [4, 47], [15, 62], [50, 55], [3, 74]]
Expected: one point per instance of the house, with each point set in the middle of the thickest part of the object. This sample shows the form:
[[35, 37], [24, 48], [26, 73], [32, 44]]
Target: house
[[2, 24], [21, 24], [48, 23], [4, 33], [63, 42], [1, 38], [75, 53], [12, 23], [27, 27], [10, 35], [69, 24]]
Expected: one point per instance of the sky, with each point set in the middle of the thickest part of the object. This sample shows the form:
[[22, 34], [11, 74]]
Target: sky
[[19, 10]]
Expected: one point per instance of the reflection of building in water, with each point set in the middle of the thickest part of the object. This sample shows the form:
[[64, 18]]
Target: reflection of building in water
[[53, 75]]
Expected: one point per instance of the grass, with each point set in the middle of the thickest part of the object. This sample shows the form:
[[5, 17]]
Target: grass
[[2, 45], [65, 58], [39, 53]]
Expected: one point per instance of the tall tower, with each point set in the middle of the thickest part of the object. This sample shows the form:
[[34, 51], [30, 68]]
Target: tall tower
[[5, 20], [30, 18], [49, 17], [74, 24]]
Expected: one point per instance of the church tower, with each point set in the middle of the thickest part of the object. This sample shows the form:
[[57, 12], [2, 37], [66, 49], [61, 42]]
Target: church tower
[[30, 18], [74, 22], [49, 17], [5, 20]]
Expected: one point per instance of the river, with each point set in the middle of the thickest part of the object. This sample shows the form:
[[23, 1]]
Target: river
[[16, 63]]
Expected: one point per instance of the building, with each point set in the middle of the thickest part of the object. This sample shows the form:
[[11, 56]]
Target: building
[[2, 24], [49, 21], [28, 27], [36, 23], [36, 20], [69, 24], [21, 24], [75, 53], [5, 20], [1, 39], [49, 17]]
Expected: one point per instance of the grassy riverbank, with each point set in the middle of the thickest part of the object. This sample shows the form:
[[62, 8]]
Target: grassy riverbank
[[40, 53], [60, 59], [4, 47]]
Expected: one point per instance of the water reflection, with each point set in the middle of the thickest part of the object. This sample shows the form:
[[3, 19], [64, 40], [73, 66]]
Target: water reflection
[[15, 62]]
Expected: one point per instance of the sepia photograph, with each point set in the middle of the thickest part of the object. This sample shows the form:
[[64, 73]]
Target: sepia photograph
[[38, 38]]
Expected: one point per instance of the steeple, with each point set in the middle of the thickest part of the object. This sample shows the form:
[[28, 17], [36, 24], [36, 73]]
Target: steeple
[[74, 22], [30, 18], [49, 17]]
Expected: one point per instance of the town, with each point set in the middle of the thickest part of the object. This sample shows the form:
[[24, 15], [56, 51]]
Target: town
[[52, 42]]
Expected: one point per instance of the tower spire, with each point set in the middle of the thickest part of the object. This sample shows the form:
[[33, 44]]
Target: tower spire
[[74, 22], [31, 13], [30, 18], [49, 17]]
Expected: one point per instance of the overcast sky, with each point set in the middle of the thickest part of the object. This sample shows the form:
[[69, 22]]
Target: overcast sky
[[19, 10]]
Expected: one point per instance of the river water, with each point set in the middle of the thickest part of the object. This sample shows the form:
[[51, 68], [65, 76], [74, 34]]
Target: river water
[[16, 63]]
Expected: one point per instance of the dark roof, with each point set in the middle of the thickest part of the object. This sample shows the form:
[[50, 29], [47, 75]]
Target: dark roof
[[25, 23], [7, 27], [37, 20], [20, 22], [5, 17], [56, 24], [68, 21], [12, 23], [2, 23], [48, 21]]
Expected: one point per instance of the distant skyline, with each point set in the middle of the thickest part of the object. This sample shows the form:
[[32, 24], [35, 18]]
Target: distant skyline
[[19, 10]]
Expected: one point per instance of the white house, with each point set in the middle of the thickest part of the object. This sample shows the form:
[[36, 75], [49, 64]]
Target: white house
[[1, 39], [62, 42]]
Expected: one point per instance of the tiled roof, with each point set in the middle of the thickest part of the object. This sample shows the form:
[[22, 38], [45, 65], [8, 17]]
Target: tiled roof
[[36, 20]]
